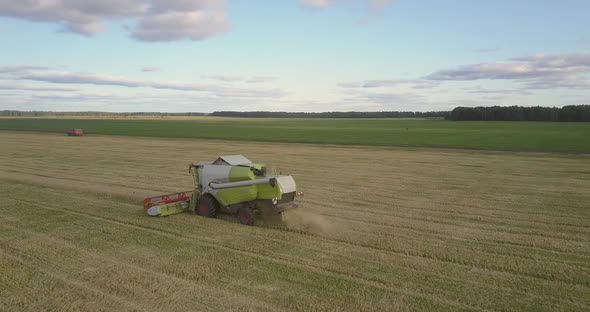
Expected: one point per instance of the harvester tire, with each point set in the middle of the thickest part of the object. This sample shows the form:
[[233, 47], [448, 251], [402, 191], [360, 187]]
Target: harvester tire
[[246, 215], [207, 206]]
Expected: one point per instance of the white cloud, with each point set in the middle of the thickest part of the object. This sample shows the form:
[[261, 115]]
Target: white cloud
[[173, 26], [537, 72], [21, 87], [318, 4], [150, 69], [378, 5], [229, 78], [480, 90], [262, 79], [157, 20], [76, 78], [487, 50], [394, 98], [381, 83], [224, 78], [373, 5], [20, 68], [140, 100], [389, 83]]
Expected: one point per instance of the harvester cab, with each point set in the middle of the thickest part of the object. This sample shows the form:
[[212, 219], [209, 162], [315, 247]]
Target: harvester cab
[[233, 185]]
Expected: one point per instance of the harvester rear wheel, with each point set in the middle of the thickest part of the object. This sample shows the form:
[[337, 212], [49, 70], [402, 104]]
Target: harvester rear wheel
[[207, 206], [246, 215]]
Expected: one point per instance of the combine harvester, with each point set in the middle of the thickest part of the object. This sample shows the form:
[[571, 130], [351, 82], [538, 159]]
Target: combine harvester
[[230, 184]]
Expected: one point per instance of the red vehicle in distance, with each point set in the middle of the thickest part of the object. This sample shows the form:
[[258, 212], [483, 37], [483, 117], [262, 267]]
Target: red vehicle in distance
[[75, 132]]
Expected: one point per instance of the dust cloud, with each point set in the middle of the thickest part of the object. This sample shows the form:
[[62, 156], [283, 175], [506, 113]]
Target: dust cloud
[[313, 222]]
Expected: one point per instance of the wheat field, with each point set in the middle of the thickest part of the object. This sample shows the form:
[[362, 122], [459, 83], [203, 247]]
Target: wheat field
[[379, 229]]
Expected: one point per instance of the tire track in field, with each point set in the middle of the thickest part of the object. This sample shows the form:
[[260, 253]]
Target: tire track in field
[[413, 205], [442, 233], [410, 192], [205, 241], [419, 204], [436, 275], [382, 205], [158, 230], [123, 192], [120, 262], [213, 244], [405, 252], [130, 305], [402, 211], [444, 238], [92, 187], [432, 257], [335, 212]]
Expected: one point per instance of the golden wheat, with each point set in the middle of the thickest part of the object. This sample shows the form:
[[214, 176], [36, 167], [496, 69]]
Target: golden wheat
[[378, 229]]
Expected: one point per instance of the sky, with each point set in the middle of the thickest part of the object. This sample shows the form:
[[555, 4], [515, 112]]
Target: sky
[[292, 55]]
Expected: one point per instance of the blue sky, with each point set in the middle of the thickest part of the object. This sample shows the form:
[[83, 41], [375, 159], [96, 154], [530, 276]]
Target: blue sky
[[292, 55]]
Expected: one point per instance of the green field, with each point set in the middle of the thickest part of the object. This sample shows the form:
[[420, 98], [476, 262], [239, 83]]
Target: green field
[[515, 136]]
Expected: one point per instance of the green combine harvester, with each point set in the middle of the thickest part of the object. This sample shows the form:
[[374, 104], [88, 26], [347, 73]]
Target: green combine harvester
[[230, 184]]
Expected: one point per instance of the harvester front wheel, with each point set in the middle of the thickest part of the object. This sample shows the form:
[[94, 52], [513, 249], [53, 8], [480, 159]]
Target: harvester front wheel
[[207, 206], [246, 215]]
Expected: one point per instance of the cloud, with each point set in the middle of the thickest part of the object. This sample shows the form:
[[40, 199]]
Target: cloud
[[560, 82], [350, 85], [388, 83], [318, 4], [173, 26], [26, 88], [224, 78], [371, 84], [539, 71], [378, 92], [262, 79], [424, 84], [20, 68], [255, 79], [487, 50], [393, 98], [379, 5], [480, 90], [78, 16], [156, 20], [150, 69], [373, 5], [134, 101], [381, 83], [69, 77]]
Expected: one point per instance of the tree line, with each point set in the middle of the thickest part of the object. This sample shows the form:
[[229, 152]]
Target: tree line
[[520, 113], [16, 113], [264, 114], [576, 113]]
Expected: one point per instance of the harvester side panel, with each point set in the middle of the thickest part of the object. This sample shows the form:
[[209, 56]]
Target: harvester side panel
[[267, 191], [236, 195]]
